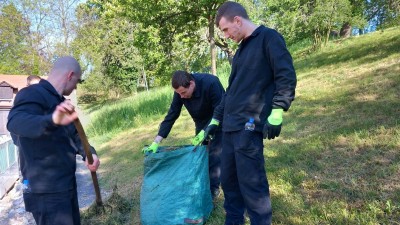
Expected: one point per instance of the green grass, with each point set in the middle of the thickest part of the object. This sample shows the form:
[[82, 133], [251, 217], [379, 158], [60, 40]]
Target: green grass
[[118, 115], [337, 160]]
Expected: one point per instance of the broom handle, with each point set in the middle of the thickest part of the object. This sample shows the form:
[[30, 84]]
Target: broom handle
[[89, 156]]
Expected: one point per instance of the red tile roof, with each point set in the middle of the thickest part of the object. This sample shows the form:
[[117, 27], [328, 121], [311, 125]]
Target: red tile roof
[[16, 81]]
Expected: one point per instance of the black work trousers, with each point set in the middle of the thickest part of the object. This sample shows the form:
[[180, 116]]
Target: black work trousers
[[243, 178], [53, 208], [214, 161]]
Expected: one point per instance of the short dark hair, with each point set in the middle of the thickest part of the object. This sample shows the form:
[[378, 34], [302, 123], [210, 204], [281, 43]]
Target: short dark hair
[[229, 10], [181, 78]]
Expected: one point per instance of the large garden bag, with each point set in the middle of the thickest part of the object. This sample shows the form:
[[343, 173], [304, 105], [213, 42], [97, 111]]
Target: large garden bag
[[176, 187]]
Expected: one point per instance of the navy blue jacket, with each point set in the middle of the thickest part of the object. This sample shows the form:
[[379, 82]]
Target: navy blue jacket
[[206, 97], [47, 151], [262, 77]]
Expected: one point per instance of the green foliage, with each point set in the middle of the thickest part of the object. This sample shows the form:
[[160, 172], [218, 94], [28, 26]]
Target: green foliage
[[120, 41], [324, 15], [106, 46], [337, 159], [223, 72], [385, 13], [182, 30], [13, 49], [131, 112], [284, 16]]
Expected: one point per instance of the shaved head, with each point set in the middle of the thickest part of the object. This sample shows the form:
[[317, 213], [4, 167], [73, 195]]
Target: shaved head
[[65, 64], [65, 75]]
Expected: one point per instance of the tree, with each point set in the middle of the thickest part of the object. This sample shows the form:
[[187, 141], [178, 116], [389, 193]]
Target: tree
[[14, 29], [385, 13], [299, 19], [326, 15], [176, 18], [37, 13], [107, 52], [284, 16], [63, 24], [356, 18]]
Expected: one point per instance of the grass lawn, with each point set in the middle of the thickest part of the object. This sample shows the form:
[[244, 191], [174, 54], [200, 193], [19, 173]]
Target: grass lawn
[[337, 160]]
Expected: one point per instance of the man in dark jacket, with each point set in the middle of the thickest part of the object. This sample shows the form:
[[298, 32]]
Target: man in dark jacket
[[41, 124], [261, 86], [200, 94]]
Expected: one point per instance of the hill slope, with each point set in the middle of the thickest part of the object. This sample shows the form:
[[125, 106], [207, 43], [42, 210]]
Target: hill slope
[[337, 160]]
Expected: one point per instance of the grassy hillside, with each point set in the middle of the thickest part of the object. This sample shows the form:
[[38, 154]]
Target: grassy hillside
[[337, 160]]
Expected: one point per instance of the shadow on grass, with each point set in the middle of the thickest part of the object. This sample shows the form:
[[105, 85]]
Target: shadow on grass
[[338, 161]]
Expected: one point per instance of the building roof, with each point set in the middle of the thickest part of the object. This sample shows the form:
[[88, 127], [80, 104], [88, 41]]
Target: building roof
[[16, 81]]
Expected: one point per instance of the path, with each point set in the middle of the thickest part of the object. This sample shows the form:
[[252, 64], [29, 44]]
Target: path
[[12, 208]]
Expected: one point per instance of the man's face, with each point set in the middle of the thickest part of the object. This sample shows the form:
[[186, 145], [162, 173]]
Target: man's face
[[186, 92], [231, 29], [72, 82]]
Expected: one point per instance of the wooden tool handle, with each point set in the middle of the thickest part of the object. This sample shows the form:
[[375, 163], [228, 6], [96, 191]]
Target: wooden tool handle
[[89, 156]]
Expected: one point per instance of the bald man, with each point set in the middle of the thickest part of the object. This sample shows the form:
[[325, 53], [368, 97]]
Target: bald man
[[41, 125]]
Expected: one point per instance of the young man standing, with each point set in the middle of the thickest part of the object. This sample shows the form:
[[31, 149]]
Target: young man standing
[[261, 86]]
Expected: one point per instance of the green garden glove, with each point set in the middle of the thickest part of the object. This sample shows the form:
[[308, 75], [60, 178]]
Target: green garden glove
[[273, 125], [199, 138], [152, 148], [209, 132]]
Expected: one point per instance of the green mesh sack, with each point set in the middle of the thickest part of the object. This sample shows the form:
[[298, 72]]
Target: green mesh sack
[[176, 187]]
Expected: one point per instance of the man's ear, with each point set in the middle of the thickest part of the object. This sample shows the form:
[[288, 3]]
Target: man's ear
[[70, 75], [237, 20]]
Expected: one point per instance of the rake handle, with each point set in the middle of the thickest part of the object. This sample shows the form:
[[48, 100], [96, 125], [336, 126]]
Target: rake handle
[[89, 156]]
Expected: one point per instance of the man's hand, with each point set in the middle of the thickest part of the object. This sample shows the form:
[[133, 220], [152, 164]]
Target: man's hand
[[95, 165], [273, 124], [199, 138], [152, 148], [209, 132], [64, 113]]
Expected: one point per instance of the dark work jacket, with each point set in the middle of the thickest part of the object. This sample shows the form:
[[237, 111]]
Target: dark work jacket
[[262, 77], [206, 97], [47, 151]]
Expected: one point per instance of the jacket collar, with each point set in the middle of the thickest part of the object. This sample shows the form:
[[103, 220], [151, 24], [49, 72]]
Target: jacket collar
[[47, 85]]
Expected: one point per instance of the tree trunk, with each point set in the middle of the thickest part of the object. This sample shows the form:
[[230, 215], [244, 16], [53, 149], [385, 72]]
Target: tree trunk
[[317, 42], [211, 39], [345, 31], [327, 35], [225, 47]]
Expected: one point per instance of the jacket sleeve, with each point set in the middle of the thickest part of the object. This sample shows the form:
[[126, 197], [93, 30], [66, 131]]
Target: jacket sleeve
[[284, 73], [173, 114], [216, 92], [30, 117]]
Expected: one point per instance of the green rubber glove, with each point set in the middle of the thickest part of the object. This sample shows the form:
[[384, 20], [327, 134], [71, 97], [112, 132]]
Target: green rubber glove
[[209, 132], [273, 125], [199, 138], [152, 148]]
